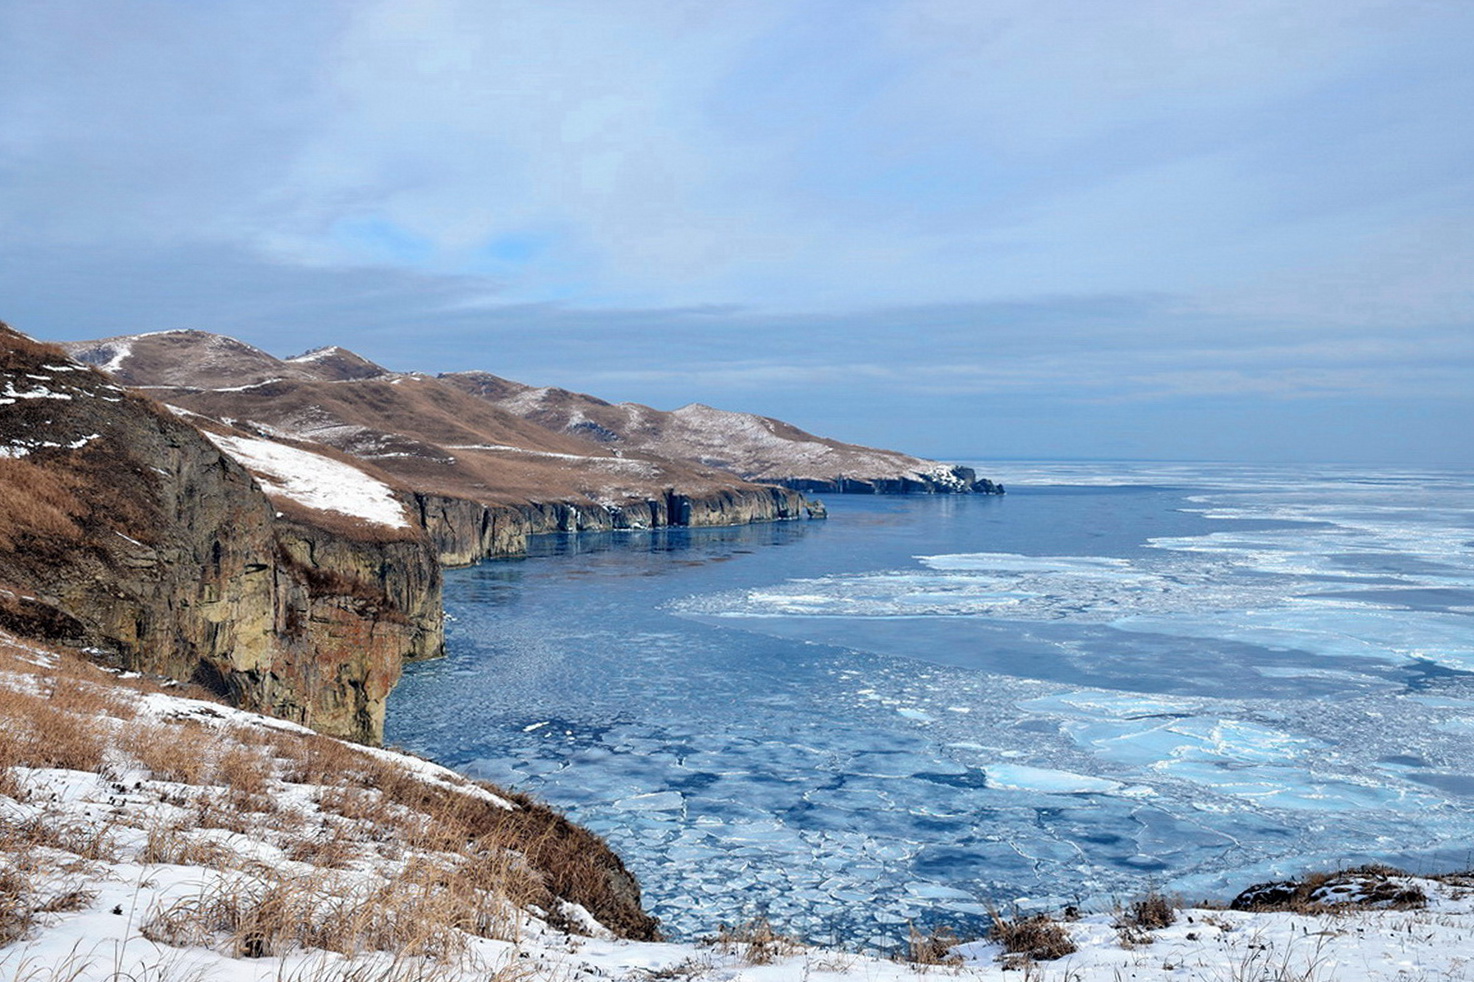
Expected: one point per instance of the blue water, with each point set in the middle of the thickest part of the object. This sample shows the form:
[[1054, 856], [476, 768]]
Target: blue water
[[1194, 676]]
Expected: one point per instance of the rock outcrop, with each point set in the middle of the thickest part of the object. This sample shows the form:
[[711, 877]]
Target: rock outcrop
[[124, 529], [464, 531], [947, 480]]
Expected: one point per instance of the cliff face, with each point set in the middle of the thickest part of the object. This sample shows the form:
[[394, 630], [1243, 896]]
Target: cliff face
[[464, 531], [124, 529], [950, 480]]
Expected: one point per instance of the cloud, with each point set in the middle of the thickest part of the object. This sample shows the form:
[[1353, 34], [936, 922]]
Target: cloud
[[884, 205]]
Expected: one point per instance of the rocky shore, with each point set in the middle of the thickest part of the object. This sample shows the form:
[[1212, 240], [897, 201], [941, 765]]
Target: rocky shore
[[186, 547]]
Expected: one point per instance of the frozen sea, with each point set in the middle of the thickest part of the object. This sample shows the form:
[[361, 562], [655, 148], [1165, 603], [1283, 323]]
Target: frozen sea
[[1189, 676]]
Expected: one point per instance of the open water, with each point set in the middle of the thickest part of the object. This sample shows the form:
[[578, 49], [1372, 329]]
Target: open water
[[1189, 676]]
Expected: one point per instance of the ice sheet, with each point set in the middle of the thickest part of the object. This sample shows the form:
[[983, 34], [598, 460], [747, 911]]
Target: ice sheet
[[852, 723]]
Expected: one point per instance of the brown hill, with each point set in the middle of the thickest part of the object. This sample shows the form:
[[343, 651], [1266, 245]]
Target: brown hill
[[757, 448], [443, 448], [125, 529]]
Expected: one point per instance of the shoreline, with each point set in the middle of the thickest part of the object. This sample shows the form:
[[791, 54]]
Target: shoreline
[[712, 577]]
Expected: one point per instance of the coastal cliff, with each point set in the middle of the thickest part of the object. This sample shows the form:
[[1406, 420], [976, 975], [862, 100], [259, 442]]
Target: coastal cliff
[[181, 545], [464, 531], [949, 480], [125, 530]]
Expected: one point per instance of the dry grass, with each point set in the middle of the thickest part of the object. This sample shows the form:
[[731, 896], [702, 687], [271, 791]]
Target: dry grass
[[425, 862], [755, 942], [89, 697], [16, 913], [173, 845], [38, 733], [429, 909], [1135, 923], [933, 947], [37, 504], [1031, 938]]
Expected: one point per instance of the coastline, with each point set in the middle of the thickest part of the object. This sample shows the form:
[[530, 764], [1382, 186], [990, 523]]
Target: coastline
[[798, 671]]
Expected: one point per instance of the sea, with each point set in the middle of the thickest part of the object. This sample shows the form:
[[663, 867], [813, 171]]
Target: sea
[[1118, 677]]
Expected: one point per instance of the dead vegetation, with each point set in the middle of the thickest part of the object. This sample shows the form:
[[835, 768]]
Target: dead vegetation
[[933, 947], [1030, 938], [755, 942], [377, 854], [40, 504], [1152, 912]]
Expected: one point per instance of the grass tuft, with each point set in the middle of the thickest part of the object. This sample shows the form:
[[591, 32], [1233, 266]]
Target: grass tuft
[[1031, 938]]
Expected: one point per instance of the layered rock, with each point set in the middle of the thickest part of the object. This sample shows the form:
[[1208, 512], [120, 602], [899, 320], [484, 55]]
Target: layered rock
[[125, 529], [464, 531]]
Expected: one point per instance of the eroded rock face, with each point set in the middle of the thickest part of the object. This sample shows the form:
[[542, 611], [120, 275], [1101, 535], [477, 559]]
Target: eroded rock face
[[464, 531], [123, 529]]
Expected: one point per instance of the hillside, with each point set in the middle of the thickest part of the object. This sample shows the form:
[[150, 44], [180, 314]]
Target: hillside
[[757, 448], [127, 530], [479, 478], [150, 836]]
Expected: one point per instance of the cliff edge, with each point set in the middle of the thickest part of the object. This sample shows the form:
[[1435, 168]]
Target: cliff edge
[[480, 479], [125, 530]]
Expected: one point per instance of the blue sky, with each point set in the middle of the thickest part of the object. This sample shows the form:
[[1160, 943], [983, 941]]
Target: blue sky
[[1230, 229]]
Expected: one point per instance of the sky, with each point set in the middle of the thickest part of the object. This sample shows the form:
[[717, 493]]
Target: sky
[[1224, 229]]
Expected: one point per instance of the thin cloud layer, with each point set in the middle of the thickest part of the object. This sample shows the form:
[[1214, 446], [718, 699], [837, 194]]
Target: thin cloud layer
[[841, 211]]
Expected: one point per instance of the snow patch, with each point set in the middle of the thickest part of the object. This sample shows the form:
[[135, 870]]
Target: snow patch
[[315, 481]]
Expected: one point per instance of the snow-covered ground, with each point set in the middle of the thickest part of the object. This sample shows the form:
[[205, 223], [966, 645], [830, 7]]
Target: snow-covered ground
[[149, 837], [315, 481]]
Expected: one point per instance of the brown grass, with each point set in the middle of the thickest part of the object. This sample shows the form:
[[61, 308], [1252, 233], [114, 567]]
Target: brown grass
[[38, 733], [16, 913], [173, 845], [755, 942], [1151, 911], [933, 947], [427, 910], [469, 865], [37, 504], [84, 697], [1032, 938]]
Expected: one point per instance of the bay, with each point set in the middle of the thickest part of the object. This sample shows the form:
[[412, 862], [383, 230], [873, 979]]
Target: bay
[[1190, 676]]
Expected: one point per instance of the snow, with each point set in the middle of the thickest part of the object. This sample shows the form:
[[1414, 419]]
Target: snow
[[11, 393], [250, 386], [317, 354], [315, 481], [22, 447], [119, 352]]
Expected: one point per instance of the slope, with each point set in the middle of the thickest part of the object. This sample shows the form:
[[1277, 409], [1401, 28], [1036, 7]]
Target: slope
[[757, 448], [480, 478], [123, 528]]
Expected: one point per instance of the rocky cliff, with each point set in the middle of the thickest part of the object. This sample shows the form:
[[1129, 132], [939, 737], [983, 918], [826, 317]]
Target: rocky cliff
[[482, 478], [464, 531], [124, 529]]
